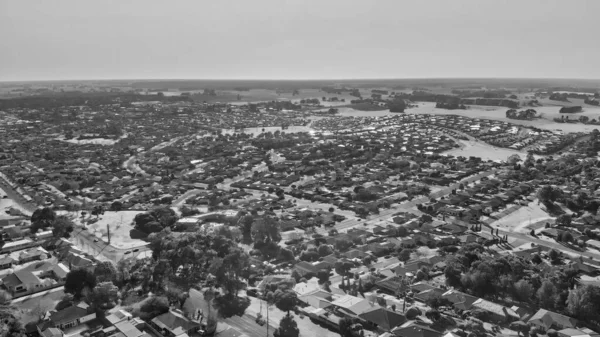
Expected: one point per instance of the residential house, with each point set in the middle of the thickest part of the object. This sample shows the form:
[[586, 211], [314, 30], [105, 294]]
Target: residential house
[[352, 306], [33, 254], [459, 299], [52, 332], [382, 318], [392, 284], [68, 317], [173, 324], [550, 320], [21, 282], [305, 268], [415, 329], [7, 262], [424, 295], [583, 332], [316, 299], [496, 312]]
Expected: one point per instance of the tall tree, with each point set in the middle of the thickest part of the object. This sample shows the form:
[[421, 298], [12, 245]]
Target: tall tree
[[287, 327], [79, 282]]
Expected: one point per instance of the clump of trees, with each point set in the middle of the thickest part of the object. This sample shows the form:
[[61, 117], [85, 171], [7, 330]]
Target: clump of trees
[[155, 220], [510, 277], [397, 105]]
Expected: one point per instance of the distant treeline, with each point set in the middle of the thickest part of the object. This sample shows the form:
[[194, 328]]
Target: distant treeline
[[570, 109], [564, 97], [482, 93], [424, 96], [339, 91], [591, 101], [450, 106], [81, 98], [380, 92]]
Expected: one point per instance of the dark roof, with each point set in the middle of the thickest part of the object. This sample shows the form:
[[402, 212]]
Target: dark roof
[[172, 320], [20, 277], [384, 318], [68, 314]]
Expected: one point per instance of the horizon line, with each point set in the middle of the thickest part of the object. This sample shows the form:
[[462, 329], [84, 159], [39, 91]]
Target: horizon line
[[304, 79]]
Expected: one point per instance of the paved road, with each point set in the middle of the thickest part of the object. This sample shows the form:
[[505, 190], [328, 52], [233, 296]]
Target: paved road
[[588, 255], [17, 197]]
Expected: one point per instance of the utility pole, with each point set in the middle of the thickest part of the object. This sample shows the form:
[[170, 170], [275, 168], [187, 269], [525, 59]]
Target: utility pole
[[108, 233]]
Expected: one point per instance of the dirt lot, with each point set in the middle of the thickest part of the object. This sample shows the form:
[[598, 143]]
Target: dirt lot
[[120, 225]]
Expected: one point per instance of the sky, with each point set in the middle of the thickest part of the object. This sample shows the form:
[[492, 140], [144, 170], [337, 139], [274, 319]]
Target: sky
[[302, 39]]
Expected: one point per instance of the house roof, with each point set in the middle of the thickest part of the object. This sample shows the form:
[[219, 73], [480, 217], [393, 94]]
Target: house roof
[[6, 260], [68, 314], [317, 299], [384, 318], [20, 277], [52, 332], [354, 305], [413, 329], [495, 308], [459, 299], [127, 329], [392, 283], [549, 318], [175, 322], [426, 294]]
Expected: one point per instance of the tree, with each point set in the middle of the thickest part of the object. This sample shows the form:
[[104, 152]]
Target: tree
[[105, 295], [412, 313], [230, 305], [342, 245], [519, 327], [345, 326], [285, 300], [323, 276], [404, 255], [105, 271], [397, 105], [554, 255], [62, 227], [287, 327], [42, 218], [564, 220], [545, 193], [523, 290], [546, 295], [325, 250], [153, 307], [116, 206], [584, 302], [79, 281]]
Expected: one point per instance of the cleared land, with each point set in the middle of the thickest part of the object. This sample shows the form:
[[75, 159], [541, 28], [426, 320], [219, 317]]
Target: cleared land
[[120, 226]]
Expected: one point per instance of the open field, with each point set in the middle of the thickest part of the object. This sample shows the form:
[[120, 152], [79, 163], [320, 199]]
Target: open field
[[485, 151], [548, 113], [119, 224], [520, 220]]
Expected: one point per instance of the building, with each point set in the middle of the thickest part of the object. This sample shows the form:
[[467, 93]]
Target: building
[[174, 324], [21, 282], [68, 317], [414, 329], [496, 312], [550, 320], [7, 262], [382, 318], [459, 299], [352, 306]]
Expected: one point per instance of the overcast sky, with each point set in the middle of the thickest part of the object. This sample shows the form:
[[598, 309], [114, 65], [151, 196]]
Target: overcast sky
[[302, 39]]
